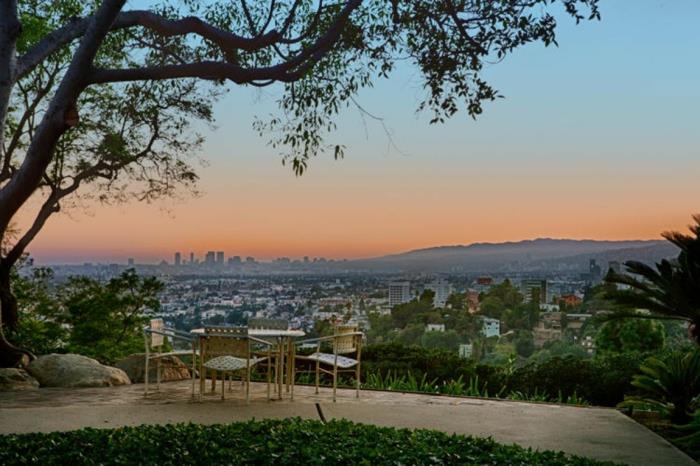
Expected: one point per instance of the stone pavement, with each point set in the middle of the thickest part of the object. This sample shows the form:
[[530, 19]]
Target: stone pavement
[[594, 432]]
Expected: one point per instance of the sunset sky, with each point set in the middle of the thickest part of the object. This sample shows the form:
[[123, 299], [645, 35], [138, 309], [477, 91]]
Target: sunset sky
[[599, 138]]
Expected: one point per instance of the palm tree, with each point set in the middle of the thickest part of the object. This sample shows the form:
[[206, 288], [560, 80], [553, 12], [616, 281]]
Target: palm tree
[[669, 291], [670, 385]]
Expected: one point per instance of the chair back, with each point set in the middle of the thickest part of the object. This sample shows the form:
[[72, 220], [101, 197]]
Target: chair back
[[157, 339], [346, 344], [225, 341], [268, 324]]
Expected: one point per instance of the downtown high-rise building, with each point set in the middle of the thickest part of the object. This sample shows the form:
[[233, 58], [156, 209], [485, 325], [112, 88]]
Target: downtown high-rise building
[[220, 258], [178, 259], [210, 258]]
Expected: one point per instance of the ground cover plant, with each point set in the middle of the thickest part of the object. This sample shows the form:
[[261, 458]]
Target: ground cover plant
[[279, 442]]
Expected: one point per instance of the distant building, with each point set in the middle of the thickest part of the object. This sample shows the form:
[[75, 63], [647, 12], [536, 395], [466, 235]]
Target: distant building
[[399, 293], [490, 327], [549, 307], [442, 290], [615, 266], [178, 259], [250, 260], [220, 258], [473, 301], [575, 322], [549, 328], [210, 258], [466, 350], [191, 258], [571, 300], [483, 284], [235, 260], [527, 287], [130, 261], [435, 328]]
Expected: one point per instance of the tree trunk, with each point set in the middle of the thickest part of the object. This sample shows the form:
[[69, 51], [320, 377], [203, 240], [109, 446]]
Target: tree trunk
[[10, 355]]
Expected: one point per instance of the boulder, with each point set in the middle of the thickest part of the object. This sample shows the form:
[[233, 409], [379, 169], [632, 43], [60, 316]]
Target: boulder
[[74, 370], [12, 379], [172, 368]]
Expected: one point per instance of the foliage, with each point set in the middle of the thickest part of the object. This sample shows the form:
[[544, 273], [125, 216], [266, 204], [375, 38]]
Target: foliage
[[670, 385], [669, 291], [106, 319], [624, 335], [689, 436], [40, 331], [601, 381], [278, 442]]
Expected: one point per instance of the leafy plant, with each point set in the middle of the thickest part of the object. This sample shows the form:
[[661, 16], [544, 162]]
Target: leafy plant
[[670, 386], [670, 291], [269, 442]]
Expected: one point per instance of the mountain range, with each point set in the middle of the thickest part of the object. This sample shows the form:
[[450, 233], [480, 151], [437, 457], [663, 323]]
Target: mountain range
[[528, 255]]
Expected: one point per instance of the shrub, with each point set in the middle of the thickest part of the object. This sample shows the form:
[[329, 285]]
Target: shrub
[[279, 442]]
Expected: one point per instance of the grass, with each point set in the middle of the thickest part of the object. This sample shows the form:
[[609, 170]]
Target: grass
[[278, 442]]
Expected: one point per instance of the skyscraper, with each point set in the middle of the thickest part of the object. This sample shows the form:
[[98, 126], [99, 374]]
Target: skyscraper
[[210, 258], [220, 258], [178, 259], [191, 258]]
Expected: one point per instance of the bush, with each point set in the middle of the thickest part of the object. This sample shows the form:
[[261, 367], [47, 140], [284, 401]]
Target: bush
[[601, 381], [279, 442]]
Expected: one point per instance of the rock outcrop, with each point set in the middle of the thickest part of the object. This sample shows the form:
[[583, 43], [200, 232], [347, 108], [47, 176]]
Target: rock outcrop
[[172, 368], [74, 370], [12, 379]]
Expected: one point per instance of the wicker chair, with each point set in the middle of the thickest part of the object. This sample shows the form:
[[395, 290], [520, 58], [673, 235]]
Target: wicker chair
[[228, 350], [346, 340], [271, 324], [155, 337]]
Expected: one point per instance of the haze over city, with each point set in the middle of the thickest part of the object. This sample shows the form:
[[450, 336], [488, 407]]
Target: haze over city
[[594, 139]]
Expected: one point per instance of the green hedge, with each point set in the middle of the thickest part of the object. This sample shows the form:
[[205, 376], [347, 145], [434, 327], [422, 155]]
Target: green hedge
[[602, 381], [279, 442]]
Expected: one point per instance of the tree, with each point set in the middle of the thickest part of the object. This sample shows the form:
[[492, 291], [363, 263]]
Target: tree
[[106, 320], [56, 56], [622, 335], [669, 291]]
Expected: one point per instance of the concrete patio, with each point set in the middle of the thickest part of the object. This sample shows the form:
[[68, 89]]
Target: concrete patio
[[599, 433]]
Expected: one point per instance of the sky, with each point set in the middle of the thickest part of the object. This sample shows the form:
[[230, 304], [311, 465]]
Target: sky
[[598, 138]]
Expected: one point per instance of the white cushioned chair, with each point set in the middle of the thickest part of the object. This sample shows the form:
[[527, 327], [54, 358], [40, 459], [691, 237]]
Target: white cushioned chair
[[346, 341]]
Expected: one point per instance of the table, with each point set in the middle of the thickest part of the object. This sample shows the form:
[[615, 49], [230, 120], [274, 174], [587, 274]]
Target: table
[[285, 344]]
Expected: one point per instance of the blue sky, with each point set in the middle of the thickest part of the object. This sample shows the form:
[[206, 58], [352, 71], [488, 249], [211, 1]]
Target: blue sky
[[597, 138]]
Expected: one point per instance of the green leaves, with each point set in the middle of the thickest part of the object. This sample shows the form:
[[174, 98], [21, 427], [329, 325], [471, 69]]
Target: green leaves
[[269, 442], [670, 385]]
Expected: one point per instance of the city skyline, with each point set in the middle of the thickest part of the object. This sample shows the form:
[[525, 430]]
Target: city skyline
[[595, 139]]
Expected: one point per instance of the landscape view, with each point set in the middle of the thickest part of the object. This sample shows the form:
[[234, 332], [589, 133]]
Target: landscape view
[[349, 232]]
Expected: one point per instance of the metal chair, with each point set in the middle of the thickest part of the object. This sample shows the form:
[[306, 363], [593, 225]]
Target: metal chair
[[228, 350], [155, 337], [346, 340]]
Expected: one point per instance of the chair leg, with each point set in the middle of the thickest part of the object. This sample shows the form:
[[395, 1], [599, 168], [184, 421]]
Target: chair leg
[[357, 380], [145, 377], [223, 385], [247, 385], [318, 375], [213, 381], [269, 373], [158, 374], [335, 381]]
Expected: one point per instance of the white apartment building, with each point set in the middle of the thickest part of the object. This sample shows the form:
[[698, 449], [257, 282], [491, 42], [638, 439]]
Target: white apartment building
[[442, 290], [490, 327], [399, 293]]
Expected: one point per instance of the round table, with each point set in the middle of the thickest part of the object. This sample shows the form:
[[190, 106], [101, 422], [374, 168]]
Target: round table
[[285, 344]]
